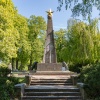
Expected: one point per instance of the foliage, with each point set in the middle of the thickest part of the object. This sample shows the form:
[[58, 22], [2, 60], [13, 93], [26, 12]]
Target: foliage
[[23, 45], [4, 71], [37, 27], [21, 39], [90, 75], [7, 90], [75, 67], [79, 7], [13, 34], [82, 44], [3, 65], [61, 43], [8, 34]]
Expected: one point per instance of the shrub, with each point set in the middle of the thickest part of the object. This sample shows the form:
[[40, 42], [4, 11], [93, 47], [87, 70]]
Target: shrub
[[6, 90], [7, 87], [3, 65], [7, 83], [4, 71], [75, 67], [90, 75]]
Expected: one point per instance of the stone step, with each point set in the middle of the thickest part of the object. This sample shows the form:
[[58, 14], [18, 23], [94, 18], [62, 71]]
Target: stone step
[[50, 76], [51, 80], [44, 88], [52, 94], [51, 98], [52, 73], [50, 83]]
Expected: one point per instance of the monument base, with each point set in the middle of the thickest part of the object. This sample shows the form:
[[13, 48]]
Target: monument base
[[49, 67]]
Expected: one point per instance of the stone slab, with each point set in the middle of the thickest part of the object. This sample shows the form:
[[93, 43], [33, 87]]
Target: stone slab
[[49, 67], [51, 87], [52, 73]]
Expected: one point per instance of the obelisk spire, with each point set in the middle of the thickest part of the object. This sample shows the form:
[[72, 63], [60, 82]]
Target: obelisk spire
[[49, 51]]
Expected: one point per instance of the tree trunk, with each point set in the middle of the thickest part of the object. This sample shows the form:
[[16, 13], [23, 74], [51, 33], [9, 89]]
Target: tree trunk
[[29, 67], [16, 63], [12, 63]]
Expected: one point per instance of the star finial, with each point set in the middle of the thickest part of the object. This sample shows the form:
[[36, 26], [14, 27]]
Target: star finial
[[50, 12]]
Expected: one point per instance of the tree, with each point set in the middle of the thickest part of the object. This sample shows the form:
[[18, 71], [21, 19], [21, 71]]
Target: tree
[[14, 43], [94, 30], [23, 46], [83, 43], [37, 27], [80, 7], [8, 34], [61, 43]]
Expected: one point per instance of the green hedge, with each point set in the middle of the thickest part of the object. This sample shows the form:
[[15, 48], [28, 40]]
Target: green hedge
[[90, 75]]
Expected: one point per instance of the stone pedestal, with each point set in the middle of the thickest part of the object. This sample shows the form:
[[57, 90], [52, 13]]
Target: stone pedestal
[[49, 67]]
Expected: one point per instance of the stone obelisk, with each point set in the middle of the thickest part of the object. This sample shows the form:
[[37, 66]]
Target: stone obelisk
[[49, 59], [49, 51]]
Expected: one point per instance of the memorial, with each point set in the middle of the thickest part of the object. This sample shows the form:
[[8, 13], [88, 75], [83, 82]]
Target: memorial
[[50, 57]]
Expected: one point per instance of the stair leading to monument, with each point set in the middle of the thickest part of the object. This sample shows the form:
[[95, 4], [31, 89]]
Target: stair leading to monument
[[53, 81], [51, 87], [52, 93]]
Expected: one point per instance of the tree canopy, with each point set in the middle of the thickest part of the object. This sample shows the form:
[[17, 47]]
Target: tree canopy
[[8, 33], [80, 43], [21, 39], [61, 43], [80, 7], [37, 27]]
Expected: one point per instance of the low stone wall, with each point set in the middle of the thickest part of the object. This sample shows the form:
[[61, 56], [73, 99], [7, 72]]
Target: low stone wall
[[19, 90], [74, 79], [49, 67], [82, 90]]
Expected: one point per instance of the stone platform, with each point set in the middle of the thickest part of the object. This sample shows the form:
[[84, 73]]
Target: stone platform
[[49, 67]]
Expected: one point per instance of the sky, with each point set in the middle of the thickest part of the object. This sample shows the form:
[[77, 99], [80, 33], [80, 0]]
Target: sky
[[39, 8]]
